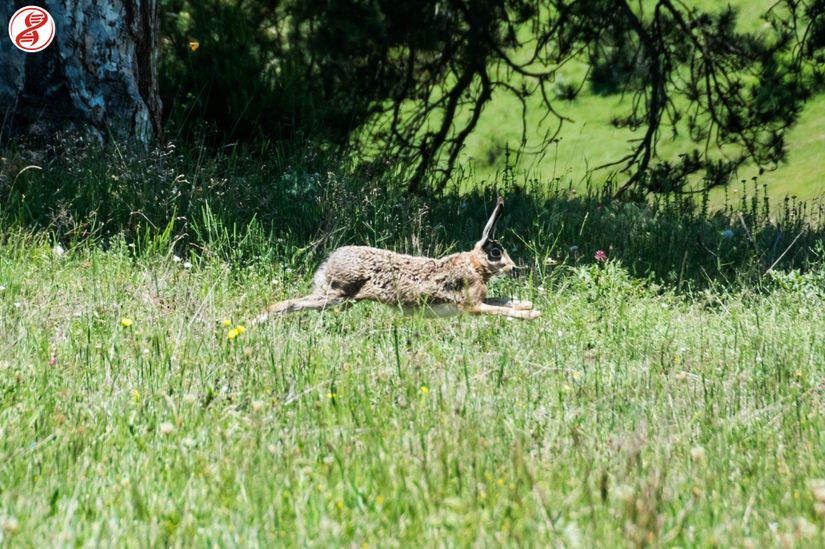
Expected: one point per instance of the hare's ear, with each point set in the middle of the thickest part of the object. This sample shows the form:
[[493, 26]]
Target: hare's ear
[[490, 228]]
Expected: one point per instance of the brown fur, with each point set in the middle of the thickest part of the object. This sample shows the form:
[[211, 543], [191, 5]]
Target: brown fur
[[451, 284]]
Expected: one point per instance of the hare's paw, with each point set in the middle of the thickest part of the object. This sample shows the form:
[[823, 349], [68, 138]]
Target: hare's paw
[[530, 315]]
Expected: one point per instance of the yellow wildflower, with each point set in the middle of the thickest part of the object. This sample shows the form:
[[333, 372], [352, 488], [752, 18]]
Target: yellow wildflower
[[235, 332], [126, 322], [194, 45], [226, 322], [424, 389]]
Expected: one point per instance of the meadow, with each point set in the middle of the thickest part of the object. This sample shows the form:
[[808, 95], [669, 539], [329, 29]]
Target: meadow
[[670, 396]]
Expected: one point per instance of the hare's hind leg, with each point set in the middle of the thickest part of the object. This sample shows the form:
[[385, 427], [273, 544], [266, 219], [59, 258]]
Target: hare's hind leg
[[518, 304], [487, 309], [309, 302]]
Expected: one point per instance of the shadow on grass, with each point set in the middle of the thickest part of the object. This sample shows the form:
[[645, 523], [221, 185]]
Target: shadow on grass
[[291, 207]]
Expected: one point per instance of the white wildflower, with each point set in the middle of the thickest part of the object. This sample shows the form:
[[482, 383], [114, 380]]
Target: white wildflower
[[817, 487], [806, 529], [624, 493], [9, 524], [697, 454]]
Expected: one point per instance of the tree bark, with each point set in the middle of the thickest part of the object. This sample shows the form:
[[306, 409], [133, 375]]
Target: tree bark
[[98, 78]]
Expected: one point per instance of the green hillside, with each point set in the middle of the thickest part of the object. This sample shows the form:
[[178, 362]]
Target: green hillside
[[589, 140]]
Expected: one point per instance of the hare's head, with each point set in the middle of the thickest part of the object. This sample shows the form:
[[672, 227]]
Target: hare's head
[[490, 258]]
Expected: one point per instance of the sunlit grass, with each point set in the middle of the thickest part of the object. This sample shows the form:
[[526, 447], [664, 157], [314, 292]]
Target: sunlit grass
[[628, 411]]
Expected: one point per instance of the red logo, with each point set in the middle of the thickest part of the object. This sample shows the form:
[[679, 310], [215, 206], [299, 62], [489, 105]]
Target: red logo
[[31, 29]]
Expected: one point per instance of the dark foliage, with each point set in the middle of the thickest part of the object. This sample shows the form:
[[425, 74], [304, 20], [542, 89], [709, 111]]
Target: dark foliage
[[412, 79]]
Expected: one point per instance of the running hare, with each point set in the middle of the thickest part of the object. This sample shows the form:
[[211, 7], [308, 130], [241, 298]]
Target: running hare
[[453, 284]]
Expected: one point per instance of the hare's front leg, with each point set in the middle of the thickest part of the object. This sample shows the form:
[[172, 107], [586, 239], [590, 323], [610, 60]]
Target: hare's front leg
[[487, 309], [519, 304]]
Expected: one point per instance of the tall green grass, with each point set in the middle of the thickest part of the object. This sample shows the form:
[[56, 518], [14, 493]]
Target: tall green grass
[[292, 207], [627, 413], [670, 396]]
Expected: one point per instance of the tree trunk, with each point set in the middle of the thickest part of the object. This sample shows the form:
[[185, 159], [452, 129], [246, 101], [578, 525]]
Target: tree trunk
[[98, 78]]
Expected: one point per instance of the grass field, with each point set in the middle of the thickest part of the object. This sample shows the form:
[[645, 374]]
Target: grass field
[[671, 396], [635, 411]]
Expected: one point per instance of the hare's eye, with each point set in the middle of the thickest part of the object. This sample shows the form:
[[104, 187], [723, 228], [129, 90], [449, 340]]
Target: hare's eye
[[495, 253]]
